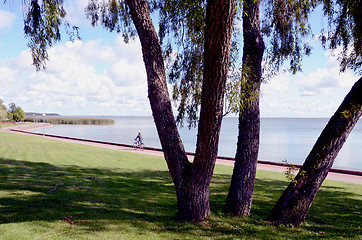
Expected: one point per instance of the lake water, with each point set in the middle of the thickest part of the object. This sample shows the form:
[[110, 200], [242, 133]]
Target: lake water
[[281, 139]]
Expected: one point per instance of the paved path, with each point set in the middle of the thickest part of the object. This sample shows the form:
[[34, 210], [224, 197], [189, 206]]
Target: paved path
[[266, 167]]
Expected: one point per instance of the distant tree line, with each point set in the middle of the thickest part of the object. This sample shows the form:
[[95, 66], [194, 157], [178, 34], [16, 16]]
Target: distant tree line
[[3, 110], [16, 114], [13, 114], [29, 114]]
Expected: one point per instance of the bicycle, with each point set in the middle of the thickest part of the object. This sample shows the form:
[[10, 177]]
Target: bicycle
[[139, 145]]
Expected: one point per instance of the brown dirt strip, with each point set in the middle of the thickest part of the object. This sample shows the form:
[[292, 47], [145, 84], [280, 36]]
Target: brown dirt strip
[[334, 174]]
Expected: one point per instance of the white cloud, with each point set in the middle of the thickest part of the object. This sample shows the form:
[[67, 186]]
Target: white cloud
[[7, 81], [326, 80], [277, 85], [105, 76], [80, 79], [308, 93], [316, 94], [126, 73], [7, 19], [75, 10]]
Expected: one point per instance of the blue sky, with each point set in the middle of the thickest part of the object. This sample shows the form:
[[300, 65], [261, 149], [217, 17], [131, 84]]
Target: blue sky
[[101, 75]]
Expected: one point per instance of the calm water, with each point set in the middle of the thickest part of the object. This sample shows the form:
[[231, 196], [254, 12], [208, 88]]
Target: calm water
[[281, 138]]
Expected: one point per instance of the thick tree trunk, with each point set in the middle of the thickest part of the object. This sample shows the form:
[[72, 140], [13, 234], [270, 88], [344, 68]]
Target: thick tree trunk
[[157, 91], [191, 180], [218, 32], [242, 184], [294, 203]]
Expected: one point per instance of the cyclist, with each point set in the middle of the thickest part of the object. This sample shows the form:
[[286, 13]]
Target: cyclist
[[139, 139]]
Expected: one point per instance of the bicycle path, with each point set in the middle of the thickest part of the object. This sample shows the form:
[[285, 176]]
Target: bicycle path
[[265, 166]]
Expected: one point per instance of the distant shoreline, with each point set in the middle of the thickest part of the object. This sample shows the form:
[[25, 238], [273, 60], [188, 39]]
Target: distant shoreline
[[69, 120]]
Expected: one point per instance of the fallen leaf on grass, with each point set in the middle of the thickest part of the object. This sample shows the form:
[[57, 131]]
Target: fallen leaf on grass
[[71, 220]]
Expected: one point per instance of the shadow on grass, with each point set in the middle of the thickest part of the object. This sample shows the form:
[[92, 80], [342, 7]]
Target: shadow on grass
[[43, 192], [335, 210]]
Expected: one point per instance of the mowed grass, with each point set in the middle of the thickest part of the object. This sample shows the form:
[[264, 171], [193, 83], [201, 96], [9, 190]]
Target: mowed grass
[[55, 190], [11, 124]]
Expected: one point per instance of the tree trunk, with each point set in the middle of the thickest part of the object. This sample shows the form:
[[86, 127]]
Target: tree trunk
[[218, 32], [241, 189], [191, 180], [294, 203], [157, 91]]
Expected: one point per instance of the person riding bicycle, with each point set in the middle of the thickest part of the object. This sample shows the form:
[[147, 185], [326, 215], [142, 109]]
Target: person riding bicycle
[[139, 138]]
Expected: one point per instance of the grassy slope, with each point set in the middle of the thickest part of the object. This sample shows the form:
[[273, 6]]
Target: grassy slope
[[118, 195]]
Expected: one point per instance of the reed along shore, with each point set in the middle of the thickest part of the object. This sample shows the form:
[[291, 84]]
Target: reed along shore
[[70, 120]]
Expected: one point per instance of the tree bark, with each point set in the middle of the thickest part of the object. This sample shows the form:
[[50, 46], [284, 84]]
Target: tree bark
[[293, 205], [157, 91], [242, 184], [218, 32], [191, 180]]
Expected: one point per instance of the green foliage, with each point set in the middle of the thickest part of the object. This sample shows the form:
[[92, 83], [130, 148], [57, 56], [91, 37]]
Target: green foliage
[[181, 32], [3, 110], [240, 91], [181, 24], [286, 28], [285, 25], [15, 114], [42, 23], [55, 190], [113, 15], [344, 30], [233, 92], [290, 172]]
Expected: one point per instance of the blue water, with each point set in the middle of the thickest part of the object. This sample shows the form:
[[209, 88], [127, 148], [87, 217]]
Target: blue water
[[281, 139]]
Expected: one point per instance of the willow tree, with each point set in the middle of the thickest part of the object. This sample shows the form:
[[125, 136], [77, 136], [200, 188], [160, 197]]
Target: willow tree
[[214, 26], [42, 23], [345, 28], [191, 179], [285, 23], [293, 205], [131, 17], [182, 35], [199, 70]]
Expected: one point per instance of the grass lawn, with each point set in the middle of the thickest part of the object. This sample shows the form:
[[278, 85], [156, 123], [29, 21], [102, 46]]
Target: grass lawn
[[55, 190], [10, 124]]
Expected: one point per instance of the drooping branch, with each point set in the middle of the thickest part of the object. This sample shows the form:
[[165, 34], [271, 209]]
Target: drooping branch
[[42, 23]]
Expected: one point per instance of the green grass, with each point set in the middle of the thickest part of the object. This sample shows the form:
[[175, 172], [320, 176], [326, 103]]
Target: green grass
[[11, 124], [120, 195]]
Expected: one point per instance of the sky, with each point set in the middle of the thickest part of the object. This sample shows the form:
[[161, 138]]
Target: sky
[[100, 75]]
